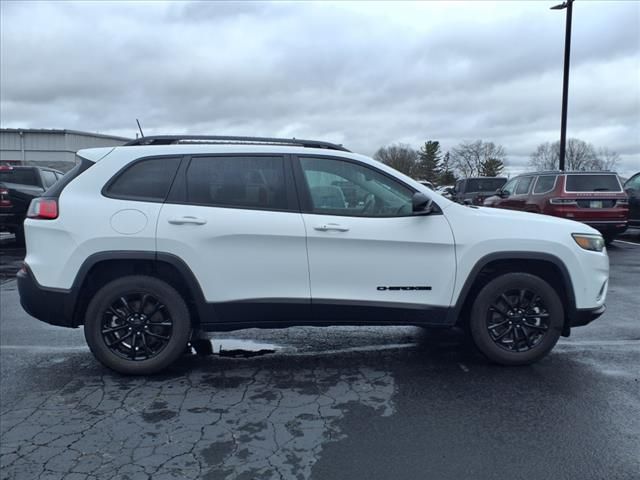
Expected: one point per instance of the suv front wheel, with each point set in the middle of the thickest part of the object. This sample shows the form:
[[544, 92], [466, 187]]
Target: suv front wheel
[[516, 319], [137, 325]]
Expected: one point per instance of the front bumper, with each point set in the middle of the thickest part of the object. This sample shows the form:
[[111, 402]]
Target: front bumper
[[50, 305], [584, 316]]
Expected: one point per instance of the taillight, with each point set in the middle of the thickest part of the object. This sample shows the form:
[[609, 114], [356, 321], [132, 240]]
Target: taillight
[[43, 208], [4, 198], [562, 201]]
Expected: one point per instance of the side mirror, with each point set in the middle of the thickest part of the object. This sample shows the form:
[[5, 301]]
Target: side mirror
[[502, 193], [422, 205]]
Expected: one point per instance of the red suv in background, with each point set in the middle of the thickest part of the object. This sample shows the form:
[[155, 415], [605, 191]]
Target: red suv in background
[[594, 198]]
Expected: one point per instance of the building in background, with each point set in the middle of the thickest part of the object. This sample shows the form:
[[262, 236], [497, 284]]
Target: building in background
[[49, 148]]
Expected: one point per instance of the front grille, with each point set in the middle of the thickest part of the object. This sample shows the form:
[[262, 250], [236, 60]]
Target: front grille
[[596, 203]]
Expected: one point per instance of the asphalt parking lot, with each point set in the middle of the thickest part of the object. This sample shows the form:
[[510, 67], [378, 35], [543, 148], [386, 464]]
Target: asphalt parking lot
[[333, 403]]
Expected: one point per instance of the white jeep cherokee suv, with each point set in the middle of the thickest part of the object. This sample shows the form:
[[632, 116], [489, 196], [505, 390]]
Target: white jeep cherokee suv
[[146, 243]]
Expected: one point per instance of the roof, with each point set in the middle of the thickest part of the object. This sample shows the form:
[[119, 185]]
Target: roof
[[53, 131], [232, 140], [565, 172]]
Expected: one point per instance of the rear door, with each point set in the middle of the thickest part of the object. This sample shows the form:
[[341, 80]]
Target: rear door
[[370, 258], [234, 220]]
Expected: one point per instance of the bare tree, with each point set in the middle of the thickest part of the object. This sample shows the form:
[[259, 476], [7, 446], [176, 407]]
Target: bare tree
[[608, 159], [579, 156], [546, 156], [399, 156], [471, 159]]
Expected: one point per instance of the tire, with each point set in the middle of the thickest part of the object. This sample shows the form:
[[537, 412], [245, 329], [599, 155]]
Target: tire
[[137, 325], [504, 334], [609, 238]]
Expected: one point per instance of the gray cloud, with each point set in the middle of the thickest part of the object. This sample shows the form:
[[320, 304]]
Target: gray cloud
[[365, 74]]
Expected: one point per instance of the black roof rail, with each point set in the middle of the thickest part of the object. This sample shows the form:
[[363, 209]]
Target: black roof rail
[[223, 139]]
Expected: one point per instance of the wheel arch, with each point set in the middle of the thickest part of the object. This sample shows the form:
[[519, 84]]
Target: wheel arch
[[100, 268], [546, 266]]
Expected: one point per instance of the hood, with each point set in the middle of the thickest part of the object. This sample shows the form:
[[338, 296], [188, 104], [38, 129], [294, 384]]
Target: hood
[[524, 222]]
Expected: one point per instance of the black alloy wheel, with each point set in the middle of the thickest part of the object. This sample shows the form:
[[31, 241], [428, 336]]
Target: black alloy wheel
[[517, 320], [137, 326]]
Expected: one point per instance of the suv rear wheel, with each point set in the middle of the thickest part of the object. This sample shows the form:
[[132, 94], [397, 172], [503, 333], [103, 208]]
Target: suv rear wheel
[[137, 325], [516, 319]]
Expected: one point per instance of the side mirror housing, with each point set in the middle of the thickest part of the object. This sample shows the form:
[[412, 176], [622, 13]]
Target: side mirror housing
[[502, 193], [422, 205]]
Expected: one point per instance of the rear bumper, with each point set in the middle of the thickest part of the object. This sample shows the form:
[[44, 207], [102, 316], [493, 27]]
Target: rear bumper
[[586, 316], [10, 221], [53, 306]]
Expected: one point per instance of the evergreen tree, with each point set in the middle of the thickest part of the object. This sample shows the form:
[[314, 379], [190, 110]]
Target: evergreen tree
[[447, 177], [491, 167], [428, 166]]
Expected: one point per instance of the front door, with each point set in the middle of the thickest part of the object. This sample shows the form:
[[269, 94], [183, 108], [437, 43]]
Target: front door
[[370, 258]]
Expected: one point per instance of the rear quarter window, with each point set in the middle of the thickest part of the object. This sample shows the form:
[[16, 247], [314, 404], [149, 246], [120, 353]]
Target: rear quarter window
[[593, 183], [148, 179]]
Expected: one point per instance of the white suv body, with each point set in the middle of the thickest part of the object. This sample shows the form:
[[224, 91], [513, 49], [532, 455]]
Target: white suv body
[[275, 235]]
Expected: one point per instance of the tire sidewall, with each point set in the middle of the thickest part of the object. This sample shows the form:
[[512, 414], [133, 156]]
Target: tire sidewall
[[491, 291], [174, 303]]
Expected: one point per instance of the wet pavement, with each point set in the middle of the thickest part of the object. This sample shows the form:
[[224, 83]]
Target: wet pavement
[[326, 403]]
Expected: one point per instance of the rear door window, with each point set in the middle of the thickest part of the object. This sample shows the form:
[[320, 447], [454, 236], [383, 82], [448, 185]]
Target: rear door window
[[485, 184], [593, 183], [544, 184], [22, 176], [238, 182], [148, 179], [523, 185]]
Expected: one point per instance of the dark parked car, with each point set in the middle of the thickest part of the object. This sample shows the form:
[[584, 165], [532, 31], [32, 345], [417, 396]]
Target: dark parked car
[[18, 185], [632, 187], [594, 198], [473, 191]]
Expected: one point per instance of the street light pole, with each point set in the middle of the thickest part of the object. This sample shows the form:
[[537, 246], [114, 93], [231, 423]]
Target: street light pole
[[568, 4]]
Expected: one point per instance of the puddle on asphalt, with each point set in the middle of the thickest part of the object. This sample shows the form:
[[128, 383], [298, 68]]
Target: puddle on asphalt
[[232, 347]]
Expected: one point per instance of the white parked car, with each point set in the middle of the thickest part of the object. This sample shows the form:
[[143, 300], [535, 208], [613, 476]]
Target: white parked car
[[146, 243]]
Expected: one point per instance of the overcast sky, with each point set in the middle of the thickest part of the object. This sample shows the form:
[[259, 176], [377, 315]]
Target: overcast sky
[[362, 74]]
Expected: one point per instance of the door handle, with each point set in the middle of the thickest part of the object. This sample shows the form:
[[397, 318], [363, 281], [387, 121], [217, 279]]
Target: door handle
[[187, 219], [331, 227]]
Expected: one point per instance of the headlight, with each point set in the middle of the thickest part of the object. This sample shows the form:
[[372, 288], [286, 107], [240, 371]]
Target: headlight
[[589, 242]]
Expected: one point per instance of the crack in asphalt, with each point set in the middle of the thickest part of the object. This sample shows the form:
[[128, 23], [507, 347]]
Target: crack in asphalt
[[243, 421]]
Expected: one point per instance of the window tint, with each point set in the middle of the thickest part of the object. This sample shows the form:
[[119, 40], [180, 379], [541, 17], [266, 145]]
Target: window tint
[[23, 176], [592, 183], [485, 184], [244, 182], [49, 178], [523, 185], [339, 187], [145, 180], [545, 184], [508, 187]]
